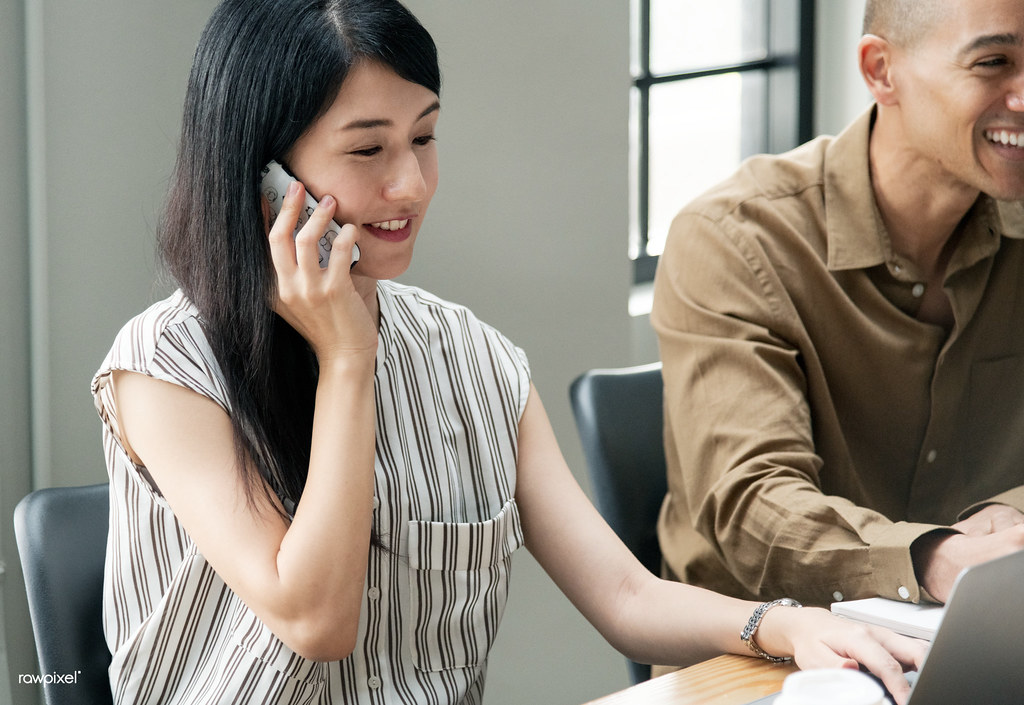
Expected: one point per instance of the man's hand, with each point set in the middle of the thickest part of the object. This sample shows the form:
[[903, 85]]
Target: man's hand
[[990, 520], [939, 556]]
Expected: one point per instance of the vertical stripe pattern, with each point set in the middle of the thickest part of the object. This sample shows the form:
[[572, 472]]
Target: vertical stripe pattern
[[449, 392]]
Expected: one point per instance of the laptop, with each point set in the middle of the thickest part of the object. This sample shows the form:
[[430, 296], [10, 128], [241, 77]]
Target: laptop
[[977, 655]]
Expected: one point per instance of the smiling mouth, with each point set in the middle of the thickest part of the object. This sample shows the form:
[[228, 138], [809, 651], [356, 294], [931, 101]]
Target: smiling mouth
[[391, 230], [1007, 138], [399, 224]]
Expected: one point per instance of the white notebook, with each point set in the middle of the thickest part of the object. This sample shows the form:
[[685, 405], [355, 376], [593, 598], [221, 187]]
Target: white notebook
[[920, 620]]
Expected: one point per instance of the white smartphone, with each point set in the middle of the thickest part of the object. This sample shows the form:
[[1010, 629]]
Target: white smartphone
[[275, 180]]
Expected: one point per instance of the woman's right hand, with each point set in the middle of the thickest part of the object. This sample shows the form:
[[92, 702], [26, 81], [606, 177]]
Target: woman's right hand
[[322, 304], [818, 639]]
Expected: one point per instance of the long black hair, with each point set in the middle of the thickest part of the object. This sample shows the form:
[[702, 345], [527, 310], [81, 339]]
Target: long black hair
[[263, 72]]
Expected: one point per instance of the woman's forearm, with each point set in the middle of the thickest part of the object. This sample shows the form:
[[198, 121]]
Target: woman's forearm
[[323, 555]]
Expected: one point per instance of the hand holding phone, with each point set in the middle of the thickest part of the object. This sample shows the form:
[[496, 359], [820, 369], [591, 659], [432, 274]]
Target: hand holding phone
[[275, 180]]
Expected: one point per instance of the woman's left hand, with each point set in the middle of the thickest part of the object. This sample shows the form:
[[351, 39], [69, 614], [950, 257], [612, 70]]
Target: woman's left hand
[[818, 639]]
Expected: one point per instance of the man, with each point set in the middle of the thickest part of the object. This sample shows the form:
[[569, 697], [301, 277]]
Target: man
[[842, 331]]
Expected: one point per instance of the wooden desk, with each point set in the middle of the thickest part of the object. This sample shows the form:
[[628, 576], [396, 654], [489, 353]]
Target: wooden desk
[[724, 680]]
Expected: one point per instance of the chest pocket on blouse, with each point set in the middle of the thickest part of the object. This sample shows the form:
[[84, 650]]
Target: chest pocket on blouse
[[459, 577]]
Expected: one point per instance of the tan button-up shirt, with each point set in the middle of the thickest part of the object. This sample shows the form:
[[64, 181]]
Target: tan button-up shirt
[[814, 426]]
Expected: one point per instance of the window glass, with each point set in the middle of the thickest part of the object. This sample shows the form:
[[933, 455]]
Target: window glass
[[700, 130], [713, 83], [687, 35]]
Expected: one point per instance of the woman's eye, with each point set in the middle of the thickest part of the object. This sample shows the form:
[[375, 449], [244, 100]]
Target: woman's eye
[[366, 152], [424, 140]]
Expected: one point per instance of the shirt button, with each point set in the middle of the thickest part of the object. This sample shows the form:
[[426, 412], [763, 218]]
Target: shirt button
[[903, 592], [373, 682], [918, 290], [837, 596], [373, 593], [932, 455]]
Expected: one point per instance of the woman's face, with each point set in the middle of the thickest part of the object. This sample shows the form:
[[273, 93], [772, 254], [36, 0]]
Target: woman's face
[[374, 151]]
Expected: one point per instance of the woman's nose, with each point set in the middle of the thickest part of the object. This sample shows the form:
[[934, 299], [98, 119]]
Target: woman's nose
[[405, 181]]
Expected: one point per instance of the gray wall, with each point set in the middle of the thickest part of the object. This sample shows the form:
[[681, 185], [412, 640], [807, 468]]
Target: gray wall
[[90, 98], [14, 387], [840, 90], [528, 228]]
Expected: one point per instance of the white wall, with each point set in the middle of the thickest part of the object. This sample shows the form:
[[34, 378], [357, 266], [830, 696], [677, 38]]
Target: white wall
[[528, 228]]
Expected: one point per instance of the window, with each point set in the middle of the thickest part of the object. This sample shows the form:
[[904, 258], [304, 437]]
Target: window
[[713, 83]]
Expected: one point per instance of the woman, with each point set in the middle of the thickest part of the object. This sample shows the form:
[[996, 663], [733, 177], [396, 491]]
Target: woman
[[318, 476]]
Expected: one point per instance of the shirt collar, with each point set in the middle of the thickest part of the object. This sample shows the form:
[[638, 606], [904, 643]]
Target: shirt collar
[[1009, 216], [857, 239]]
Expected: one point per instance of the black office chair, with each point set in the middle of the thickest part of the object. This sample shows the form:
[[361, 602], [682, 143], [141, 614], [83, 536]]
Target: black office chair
[[619, 418], [62, 539]]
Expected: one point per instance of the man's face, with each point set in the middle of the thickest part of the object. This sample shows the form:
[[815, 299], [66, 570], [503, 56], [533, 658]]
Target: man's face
[[961, 96]]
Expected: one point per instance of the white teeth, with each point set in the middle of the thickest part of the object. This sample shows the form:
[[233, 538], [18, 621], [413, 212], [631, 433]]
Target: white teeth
[[1014, 139], [391, 224]]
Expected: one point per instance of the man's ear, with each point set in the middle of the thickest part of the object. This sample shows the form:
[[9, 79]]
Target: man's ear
[[874, 58]]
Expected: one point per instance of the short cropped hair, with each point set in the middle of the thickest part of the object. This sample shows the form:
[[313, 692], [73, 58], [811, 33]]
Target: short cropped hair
[[902, 22]]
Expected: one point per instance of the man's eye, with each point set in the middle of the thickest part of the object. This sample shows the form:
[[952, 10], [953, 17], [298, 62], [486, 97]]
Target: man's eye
[[994, 62]]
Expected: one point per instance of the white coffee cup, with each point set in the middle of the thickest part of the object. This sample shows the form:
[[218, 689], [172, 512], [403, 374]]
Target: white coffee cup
[[835, 686]]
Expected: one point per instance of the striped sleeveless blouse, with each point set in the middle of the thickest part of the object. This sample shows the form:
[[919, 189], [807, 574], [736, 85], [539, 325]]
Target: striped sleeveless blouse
[[450, 391]]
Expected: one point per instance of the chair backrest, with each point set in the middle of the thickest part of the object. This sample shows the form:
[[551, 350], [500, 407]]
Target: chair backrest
[[62, 540], [619, 418]]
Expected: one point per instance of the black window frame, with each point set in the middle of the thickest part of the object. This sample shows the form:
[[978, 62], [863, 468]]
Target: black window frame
[[780, 16]]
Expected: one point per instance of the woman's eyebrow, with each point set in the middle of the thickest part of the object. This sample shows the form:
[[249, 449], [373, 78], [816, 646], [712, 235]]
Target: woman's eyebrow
[[369, 124]]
